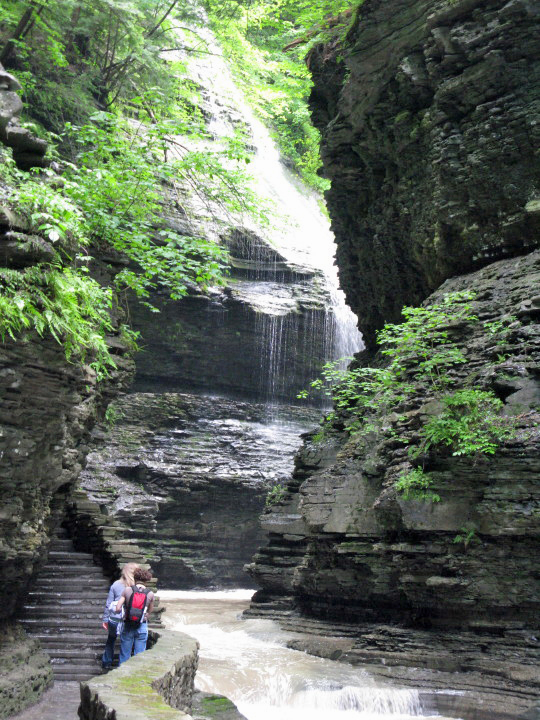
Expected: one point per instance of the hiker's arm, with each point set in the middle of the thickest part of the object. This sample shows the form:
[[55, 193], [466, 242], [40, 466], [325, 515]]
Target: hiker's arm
[[150, 606], [106, 611], [121, 601]]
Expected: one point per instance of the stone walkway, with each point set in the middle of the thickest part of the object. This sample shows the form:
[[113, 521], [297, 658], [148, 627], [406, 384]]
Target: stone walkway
[[59, 703]]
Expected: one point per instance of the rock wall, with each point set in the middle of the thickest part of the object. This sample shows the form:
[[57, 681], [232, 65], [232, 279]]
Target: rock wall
[[26, 670], [186, 477], [263, 336], [155, 685], [429, 117], [28, 150], [356, 551], [48, 407], [429, 121]]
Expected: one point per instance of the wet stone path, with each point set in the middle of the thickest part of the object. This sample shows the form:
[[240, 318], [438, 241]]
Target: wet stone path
[[61, 702]]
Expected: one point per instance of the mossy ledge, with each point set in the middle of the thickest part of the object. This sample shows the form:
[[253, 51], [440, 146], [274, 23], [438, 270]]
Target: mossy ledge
[[155, 685]]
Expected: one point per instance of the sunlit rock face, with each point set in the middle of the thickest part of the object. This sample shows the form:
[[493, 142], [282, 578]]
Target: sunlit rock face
[[429, 119], [186, 476]]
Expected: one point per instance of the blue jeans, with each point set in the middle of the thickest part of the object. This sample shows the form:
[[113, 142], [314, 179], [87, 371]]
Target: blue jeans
[[133, 639], [108, 653]]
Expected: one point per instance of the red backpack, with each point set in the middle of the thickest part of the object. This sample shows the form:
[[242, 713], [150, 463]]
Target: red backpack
[[136, 606]]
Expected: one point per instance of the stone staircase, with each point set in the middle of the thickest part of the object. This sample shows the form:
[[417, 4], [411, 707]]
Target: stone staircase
[[63, 611]]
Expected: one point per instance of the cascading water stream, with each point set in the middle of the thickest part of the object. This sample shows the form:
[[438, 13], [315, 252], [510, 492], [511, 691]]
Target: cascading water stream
[[299, 231], [248, 662]]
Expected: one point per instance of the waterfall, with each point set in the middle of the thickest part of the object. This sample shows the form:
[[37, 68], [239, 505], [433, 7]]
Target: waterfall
[[300, 235]]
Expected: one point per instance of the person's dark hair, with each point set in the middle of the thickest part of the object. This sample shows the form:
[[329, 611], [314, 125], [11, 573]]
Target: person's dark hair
[[141, 575]]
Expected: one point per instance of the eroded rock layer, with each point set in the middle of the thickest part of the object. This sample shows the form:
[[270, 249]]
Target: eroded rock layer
[[429, 119], [264, 336], [186, 476], [345, 545]]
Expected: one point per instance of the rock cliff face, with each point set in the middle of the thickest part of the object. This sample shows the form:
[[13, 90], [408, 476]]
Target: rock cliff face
[[48, 409], [357, 552], [186, 476], [350, 530], [263, 336], [429, 119], [429, 125]]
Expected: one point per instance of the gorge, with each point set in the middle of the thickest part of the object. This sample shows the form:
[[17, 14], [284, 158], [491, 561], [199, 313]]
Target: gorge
[[428, 114]]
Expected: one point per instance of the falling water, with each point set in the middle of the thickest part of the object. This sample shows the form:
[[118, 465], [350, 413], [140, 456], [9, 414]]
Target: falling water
[[300, 233], [248, 662]]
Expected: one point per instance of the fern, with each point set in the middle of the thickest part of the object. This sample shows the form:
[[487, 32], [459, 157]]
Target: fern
[[72, 308]]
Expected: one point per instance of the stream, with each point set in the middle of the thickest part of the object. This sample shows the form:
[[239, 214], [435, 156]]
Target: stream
[[248, 662]]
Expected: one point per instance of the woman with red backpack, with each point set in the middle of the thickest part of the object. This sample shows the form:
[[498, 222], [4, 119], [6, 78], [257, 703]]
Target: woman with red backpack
[[112, 616], [139, 602]]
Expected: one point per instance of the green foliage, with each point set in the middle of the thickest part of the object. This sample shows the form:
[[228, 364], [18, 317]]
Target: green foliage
[[72, 54], [275, 495], [51, 214], [253, 36], [122, 174], [417, 485], [421, 354], [466, 536], [74, 309], [419, 349], [112, 416], [470, 424]]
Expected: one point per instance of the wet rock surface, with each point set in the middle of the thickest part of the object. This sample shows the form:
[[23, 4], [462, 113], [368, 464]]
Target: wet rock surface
[[264, 336], [345, 546], [60, 701], [429, 118], [186, 476]]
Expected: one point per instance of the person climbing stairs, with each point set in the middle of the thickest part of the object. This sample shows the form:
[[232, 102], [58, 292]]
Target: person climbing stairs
[[63, 611]]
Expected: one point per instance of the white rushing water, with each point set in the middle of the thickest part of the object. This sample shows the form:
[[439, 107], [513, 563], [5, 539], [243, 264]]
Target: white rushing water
[[299, 230], [248, 662]]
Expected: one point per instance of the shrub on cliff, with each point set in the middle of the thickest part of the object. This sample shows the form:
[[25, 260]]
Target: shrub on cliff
[[422, 356]]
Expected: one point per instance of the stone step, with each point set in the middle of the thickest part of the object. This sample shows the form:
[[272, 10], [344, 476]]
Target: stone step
[[66, 556], [57, 624], [75, 568], [63, 611], [59, 599], [83, 640], [79, 673], [61, 544], [89, 658], [53, 613], [62, 582], [78, 655]]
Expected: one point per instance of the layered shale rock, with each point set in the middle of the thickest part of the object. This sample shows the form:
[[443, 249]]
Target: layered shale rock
[[49, 405], [264, 336], [28, 150], [186, 477], [429, 117], [345, 545]]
